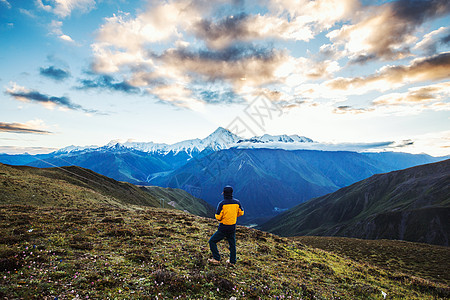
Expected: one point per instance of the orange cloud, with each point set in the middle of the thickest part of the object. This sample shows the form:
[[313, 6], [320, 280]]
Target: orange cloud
[[29, 127], [431, 68]]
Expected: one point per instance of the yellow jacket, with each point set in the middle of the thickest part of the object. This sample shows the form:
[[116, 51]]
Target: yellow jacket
[[227, 213]]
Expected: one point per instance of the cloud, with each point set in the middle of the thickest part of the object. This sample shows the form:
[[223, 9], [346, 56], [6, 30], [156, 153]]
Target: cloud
[[244, 27], [230, 48], [64, 8], [416, 99], [357, 147], [54, 73], [284, 20], [6, 3], [177, 95], [158, 23], [22, 94], [386, 31], [346, 109], [56, 29], [24, 150], [28, 127], [432, 40], [437, 95], [108, 82], [422, 69]]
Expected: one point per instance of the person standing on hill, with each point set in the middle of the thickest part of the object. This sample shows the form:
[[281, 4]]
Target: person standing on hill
[[228, 210]]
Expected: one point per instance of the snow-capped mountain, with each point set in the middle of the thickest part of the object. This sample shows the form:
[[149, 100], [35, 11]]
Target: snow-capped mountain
[[73, 148], [267, 138], [220, 139]]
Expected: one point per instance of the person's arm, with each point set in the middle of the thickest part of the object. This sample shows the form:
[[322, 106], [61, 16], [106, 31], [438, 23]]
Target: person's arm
[[240, 210], [219, 212]]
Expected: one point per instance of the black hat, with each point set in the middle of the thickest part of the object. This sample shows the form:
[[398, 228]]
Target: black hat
[[228, 191]]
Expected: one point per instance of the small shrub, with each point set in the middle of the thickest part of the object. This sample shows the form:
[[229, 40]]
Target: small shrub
[[326, 269], [10, 264], [263, 249], [112, 220], [365, 290]]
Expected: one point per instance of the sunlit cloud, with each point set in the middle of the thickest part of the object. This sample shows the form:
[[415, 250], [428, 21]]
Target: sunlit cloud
[[422, 69], [248, 28], [56, 29], [158, 23], [424, 95], [436, 144], [386, 31], [432, 40], [64, 8], [124, 45], [195, 44], [177, 95], [34, 126]]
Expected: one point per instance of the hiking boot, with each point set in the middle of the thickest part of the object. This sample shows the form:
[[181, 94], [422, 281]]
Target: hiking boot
[[213, 261], [230, 263]]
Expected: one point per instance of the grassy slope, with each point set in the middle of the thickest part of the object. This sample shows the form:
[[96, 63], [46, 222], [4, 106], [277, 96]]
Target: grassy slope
[[67, 187], [426, 261], [79, 237], [97, 253], [182, 200], [75, 186]]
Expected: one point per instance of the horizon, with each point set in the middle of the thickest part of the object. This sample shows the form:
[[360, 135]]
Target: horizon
[[86, 72], [246, 144]]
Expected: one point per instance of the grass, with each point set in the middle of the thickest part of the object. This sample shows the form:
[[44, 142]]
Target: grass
[[423, 260], [108, 252]]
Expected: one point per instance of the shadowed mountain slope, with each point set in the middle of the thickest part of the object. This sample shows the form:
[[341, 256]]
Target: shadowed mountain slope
[[411, 204], [268, 181]]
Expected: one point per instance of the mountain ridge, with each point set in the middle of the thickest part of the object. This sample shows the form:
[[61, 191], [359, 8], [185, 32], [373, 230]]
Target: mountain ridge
[[411, 204], [72, 185]]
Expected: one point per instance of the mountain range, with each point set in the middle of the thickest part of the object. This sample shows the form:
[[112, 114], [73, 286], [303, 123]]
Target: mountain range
[[411, 204], [270, 173]]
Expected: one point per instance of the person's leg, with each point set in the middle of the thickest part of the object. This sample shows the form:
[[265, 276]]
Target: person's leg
[[215, 238], [231, 237]]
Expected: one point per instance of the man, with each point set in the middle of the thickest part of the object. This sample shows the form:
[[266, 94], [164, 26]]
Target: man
[[228, 210]]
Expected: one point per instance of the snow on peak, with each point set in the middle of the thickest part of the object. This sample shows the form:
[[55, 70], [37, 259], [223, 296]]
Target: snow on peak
[[73, 148], [267, 138], [220, 139]]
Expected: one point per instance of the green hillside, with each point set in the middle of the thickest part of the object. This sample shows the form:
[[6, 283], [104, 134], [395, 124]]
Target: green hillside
[[79, 187], [66, 253], [181, 200], [411, 204], [423, 260]]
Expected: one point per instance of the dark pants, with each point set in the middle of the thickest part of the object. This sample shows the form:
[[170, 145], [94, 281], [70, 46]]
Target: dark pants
[[217, 237]]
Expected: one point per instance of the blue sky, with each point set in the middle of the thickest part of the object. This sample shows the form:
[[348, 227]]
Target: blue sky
[[84, 72]]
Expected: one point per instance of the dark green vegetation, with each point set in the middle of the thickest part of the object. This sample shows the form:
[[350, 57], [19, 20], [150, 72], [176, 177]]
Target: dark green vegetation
[[411, 204], [78, 187], [100, 252], [426, 261], [181, 200]]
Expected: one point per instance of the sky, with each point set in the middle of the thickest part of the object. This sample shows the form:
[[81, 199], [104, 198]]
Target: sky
[[374, 74]]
